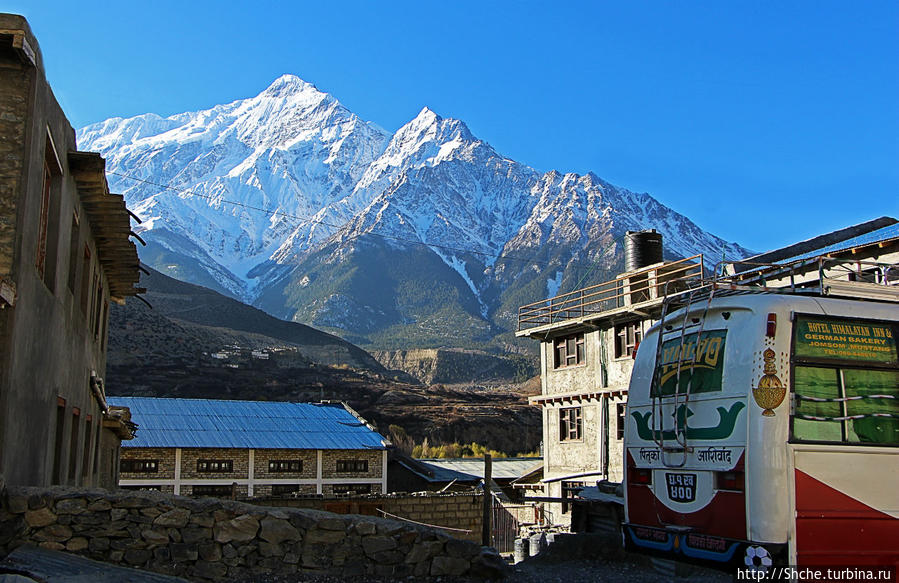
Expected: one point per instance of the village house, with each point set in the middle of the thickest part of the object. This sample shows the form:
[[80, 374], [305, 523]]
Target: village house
[[588, 339], [250, 449], [65, 253], [866, 253]]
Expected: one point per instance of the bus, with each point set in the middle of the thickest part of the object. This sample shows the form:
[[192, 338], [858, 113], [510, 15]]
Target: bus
[[762, 429]]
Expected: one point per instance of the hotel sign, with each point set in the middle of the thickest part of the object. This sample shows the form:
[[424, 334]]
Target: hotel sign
[[845, 339]]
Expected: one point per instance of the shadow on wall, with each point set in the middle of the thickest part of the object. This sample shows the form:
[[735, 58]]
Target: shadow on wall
[[212, 539]]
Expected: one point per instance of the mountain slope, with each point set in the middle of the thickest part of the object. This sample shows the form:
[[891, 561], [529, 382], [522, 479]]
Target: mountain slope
[[187, 320], [428, 237]]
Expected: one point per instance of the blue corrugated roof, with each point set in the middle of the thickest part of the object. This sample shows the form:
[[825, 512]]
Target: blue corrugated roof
[[882, 234], [245, 424]]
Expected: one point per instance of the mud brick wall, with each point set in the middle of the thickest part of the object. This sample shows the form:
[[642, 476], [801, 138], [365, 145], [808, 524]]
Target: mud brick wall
[[212, 539]]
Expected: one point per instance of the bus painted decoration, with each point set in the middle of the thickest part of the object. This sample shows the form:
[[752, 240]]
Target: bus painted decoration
[[843, 339], [771, 392], [691, 366], [727, 420]]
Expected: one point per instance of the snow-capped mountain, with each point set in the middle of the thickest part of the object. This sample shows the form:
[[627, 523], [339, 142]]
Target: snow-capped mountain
[[290, 201]]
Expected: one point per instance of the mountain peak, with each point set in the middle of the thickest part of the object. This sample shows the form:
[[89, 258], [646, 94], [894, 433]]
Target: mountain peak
[[426, 117], [287, 85]]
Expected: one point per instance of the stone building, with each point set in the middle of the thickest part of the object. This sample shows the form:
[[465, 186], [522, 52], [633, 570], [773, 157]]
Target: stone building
[[588, 339], [65, 253], [250, 449]]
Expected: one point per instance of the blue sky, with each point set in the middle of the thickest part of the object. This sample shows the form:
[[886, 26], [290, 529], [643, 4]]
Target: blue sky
[[764, 122]]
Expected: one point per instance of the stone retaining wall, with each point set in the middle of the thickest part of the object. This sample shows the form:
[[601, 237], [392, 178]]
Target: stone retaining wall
[[211, 539], [462, 514]]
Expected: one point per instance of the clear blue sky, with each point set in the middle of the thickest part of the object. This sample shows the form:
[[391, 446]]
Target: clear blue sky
[[764, 122]]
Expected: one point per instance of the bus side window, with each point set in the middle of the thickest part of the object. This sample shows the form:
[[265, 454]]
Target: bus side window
[[870, 382], [819, 383], [831, 421]]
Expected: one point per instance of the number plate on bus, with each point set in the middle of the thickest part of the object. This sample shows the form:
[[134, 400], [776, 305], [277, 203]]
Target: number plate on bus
[[681, 487]]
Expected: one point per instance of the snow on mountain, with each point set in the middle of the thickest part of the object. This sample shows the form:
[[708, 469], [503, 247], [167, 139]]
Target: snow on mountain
[[290, 151], [312, 181]]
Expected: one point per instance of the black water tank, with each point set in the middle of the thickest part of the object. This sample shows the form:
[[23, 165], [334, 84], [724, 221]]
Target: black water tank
[[642, 248]]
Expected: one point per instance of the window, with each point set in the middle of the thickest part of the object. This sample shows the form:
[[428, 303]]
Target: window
[[212, 490], [568, 350], [98, 299], [285, 489], [74, 236], [352, 488], [627, 337], [85, 279], [139, 466], [846, 405], [59, 441], [86, 450], [352, 465], [285, 465], [845, 382], [570, 490], [570, 424], [73, 443], [48, 226], [619, 417], [215, 466]]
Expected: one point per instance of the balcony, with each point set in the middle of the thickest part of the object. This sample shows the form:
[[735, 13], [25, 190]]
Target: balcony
[[636, 291]]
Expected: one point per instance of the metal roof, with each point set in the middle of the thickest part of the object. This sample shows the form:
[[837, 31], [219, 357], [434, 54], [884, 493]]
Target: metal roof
[[470, 469], [245, 424], [884, 234]]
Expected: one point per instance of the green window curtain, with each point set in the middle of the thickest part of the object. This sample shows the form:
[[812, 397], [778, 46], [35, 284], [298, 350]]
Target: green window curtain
[[822, 383], [876, 386]]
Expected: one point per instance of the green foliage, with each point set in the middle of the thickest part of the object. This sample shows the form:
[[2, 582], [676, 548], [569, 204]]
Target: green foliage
[[459, 450]]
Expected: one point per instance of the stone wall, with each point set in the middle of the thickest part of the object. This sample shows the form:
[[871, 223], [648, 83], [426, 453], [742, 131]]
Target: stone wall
[[211, 539], [458, 512]]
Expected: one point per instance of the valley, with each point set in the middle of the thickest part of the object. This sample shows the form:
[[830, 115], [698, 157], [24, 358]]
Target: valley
[[196, 343]]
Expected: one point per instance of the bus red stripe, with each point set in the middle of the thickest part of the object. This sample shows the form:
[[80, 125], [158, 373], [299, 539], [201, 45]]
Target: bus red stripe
[[835, 529]]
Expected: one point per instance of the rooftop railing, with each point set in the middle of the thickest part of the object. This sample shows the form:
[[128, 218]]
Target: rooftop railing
[[632, 290]]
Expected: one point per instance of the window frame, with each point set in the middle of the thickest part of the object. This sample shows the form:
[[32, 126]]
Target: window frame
[[279, 466], [138, 466], [211, 466], [285, 489], [212, 490], [627, 336], [351, 466], [568, 348], [620, 420], [351, 489], [47, 247], [571, 424]]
